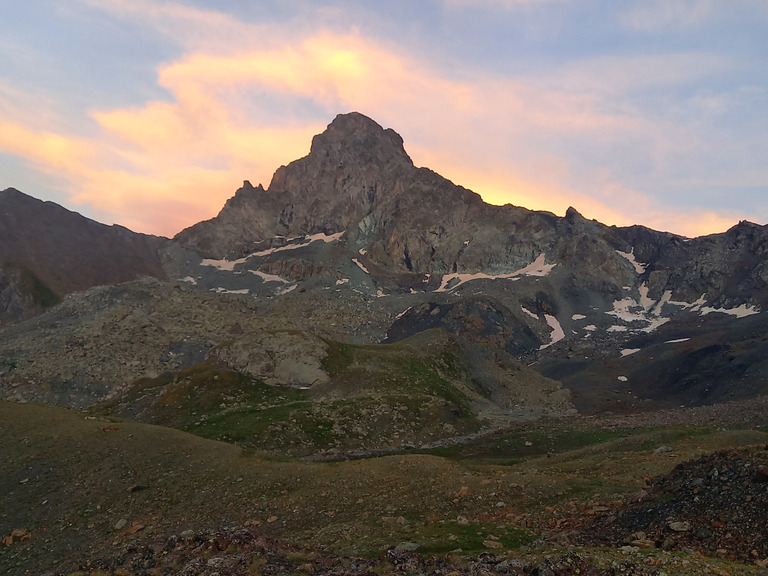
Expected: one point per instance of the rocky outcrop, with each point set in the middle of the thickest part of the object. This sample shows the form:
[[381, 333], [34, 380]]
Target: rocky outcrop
[[22, 295], [277, 357], [358, 178], [330, 190]]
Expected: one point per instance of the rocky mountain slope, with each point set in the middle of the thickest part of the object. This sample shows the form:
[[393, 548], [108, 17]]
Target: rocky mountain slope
[[364, 368], [353, 244], [596, 307], [47, 252]]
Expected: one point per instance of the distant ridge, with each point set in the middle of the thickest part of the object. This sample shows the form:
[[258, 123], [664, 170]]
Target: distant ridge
[[47, 252]]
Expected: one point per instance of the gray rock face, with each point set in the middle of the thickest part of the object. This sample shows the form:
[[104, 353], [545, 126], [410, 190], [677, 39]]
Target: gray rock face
[[357, 178], [276, 357], [330, 190]]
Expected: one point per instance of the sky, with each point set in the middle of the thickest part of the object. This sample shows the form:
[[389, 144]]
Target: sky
[[151, 113]]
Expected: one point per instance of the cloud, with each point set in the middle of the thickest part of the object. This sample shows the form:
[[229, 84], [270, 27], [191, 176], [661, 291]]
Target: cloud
[[246, 98]]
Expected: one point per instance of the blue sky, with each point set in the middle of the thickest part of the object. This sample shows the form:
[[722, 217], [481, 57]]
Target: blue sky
[[150, 113]]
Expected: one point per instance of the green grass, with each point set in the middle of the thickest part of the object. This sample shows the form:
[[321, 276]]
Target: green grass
[[379, 398], [82, 469], [512, 447], [469, 538], [339, 357]]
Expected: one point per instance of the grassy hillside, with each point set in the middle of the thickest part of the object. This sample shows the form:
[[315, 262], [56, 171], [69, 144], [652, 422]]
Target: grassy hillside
[[82, 488], [378, 398]]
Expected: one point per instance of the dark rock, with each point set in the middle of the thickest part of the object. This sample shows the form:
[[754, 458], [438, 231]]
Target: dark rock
[[761, 474]]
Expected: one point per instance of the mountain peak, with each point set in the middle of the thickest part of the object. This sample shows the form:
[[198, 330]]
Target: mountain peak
[[354, 133]]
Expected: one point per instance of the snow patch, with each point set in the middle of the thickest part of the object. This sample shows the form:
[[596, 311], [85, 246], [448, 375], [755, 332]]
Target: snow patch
[[645, 301], [617, 329], [639, 267], [629, 351], [677, 341], [622, 378], [647, 310], [535, 268], [403, 313], [531, 314], [269, 277], [224, 265], [740, 311], [654, 324], [621, 310], [360, 265], [221, 290], [578, 317], [285, 290], [229, 265], [188, 279], [341, 281], [590, 328], [306, 241], [557, 331]]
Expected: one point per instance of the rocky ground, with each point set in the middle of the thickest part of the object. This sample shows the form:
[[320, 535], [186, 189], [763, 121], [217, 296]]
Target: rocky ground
[[243, 552], [94, 496], [717, 505]]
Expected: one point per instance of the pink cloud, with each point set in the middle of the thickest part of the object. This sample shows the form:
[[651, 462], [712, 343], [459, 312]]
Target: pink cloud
[[182, 158]]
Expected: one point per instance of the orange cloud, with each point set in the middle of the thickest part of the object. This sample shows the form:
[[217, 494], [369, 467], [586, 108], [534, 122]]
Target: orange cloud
[[46, 149], [167, 164]]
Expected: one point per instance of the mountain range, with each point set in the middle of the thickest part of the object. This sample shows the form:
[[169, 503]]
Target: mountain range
[[354, 244], [518, 374]]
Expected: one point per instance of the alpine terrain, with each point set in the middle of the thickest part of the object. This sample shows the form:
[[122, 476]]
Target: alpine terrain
[[363, 368]]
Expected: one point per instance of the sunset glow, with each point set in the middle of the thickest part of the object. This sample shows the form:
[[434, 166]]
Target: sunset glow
[[509, 99]]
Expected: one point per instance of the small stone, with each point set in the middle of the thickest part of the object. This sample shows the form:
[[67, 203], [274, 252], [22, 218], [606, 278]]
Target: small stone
[[135, 488], [679, 526], [492, 544], [464, 491], [120, 524], [187, 534], [135, 527], [519, 564], [663, 449], [271, 519], [21, 534], [407, 547]]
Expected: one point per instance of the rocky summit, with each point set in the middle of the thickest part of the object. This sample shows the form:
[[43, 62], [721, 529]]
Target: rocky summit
[[362, 308]]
